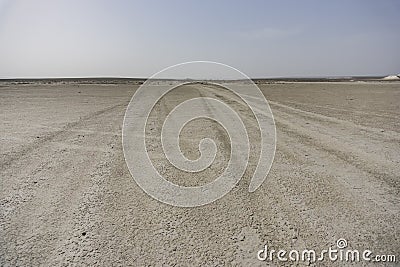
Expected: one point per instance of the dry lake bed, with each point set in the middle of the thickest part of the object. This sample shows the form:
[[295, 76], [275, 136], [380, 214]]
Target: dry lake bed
[[67, 197]]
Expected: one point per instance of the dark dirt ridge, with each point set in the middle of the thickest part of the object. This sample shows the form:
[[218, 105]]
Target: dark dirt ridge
[[117, 80]]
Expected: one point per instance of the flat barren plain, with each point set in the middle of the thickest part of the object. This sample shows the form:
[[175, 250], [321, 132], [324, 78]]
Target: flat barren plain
[[67, 197]]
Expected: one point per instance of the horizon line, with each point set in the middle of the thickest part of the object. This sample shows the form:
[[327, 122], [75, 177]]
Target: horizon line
[[146, 78]]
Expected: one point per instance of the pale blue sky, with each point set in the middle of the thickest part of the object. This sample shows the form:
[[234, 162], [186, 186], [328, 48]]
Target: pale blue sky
[[138, 38]]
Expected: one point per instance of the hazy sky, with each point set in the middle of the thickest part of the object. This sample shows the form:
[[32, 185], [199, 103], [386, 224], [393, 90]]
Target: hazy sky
[[138, 38]]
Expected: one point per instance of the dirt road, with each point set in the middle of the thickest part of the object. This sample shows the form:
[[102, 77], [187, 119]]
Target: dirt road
[[67, 197]]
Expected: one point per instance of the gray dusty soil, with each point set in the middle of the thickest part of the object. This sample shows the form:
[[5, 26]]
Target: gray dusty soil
[[67, 197]]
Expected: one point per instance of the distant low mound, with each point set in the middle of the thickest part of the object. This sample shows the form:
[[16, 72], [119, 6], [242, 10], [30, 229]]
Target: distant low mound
[[391, 78]]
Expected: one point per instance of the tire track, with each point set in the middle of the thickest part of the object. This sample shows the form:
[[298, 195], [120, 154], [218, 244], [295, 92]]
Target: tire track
[[5, 164], [39, 211]]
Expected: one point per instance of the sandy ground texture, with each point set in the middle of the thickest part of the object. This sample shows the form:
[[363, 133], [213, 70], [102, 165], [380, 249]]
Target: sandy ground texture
[[67, 197]]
